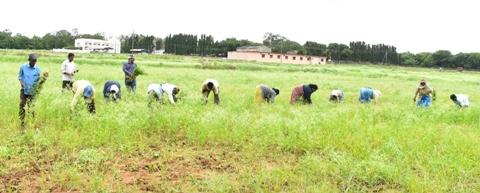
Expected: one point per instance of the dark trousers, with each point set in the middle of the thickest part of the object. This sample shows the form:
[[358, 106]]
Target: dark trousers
[[90, 106], [25, 100], [216, 98], [67, 84], [131, 85]]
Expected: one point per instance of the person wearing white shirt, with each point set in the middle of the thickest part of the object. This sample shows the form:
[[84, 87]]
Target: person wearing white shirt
[[336, 96], [68, 71], [208, 86], [460, 99], [155, 92]]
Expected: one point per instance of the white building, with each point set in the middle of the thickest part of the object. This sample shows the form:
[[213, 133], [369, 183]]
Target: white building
[[95, 45]]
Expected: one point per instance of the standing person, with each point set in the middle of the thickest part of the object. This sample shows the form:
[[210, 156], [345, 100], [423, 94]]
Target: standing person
[[111, 91], [425, 94], [460, 99], [336, 95], [155, 92], [29, 76], [304, 91], [85, 89], [129, 70], [264, 93], [68, 71], [208, 86], [368, 94]]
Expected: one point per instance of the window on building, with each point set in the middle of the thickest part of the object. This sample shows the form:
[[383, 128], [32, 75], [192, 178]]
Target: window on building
[[301, 58], [263, 55], [278, 56], [309, 58], [286, 57], [293, 58], [321, 60], [271, 56]]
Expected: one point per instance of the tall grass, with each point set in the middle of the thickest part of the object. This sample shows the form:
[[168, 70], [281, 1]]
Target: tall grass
[[237, 146]]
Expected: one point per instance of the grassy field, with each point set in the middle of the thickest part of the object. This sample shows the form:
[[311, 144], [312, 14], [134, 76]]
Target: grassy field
[[237, 146]]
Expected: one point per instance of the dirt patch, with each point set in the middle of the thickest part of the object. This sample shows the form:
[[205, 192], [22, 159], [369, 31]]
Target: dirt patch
[[20, 181], [180, 167], [199, 167]]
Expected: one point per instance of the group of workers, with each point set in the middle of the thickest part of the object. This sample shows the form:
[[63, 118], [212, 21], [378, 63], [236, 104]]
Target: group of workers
[[31, 80]]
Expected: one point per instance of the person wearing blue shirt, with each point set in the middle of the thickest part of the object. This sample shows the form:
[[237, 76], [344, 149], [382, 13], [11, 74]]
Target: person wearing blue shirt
[[29, 76], [129, 70], [368, 94], [111, 91]]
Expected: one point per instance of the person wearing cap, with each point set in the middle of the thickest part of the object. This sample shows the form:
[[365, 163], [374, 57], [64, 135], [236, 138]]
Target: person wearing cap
[[303, 92], [368, 94], [264, 93], [460, 99], [129, 70], [29, 77], [336, 95], [111, 91], [211, 85], [155, 92], [83, 88], [68, 71], [425, 94]]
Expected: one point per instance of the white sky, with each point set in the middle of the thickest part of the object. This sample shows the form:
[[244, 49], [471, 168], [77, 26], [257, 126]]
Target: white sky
[[410, 25]]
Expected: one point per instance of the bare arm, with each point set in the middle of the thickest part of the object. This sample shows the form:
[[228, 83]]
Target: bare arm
[[77, 94], [170, 97]]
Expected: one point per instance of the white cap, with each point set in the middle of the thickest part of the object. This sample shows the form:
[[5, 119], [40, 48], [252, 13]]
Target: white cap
[[114, 88]]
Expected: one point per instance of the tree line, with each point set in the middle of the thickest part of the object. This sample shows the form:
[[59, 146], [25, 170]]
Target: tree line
[[58, 39], [441, 58], [206, 45]]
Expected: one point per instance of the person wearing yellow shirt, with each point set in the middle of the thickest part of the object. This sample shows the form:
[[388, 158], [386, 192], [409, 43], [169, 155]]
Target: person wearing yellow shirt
[[83, 88]]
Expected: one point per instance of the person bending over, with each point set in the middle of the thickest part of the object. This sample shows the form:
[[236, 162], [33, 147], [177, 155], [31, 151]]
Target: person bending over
[[211, 85], [265, 94], [303, 93], [155, 92], [83, 88]]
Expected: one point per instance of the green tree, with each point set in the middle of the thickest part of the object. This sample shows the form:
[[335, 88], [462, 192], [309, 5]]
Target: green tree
[[21, 42], [280, 44], [337, 52], [315, 49], [441, 58], [5, 39]]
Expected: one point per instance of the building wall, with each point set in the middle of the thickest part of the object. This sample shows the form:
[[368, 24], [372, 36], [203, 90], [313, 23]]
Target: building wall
[[91, 44], [277, 58]]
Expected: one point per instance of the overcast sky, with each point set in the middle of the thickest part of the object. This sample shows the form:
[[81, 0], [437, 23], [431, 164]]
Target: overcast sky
[[410, 25]]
